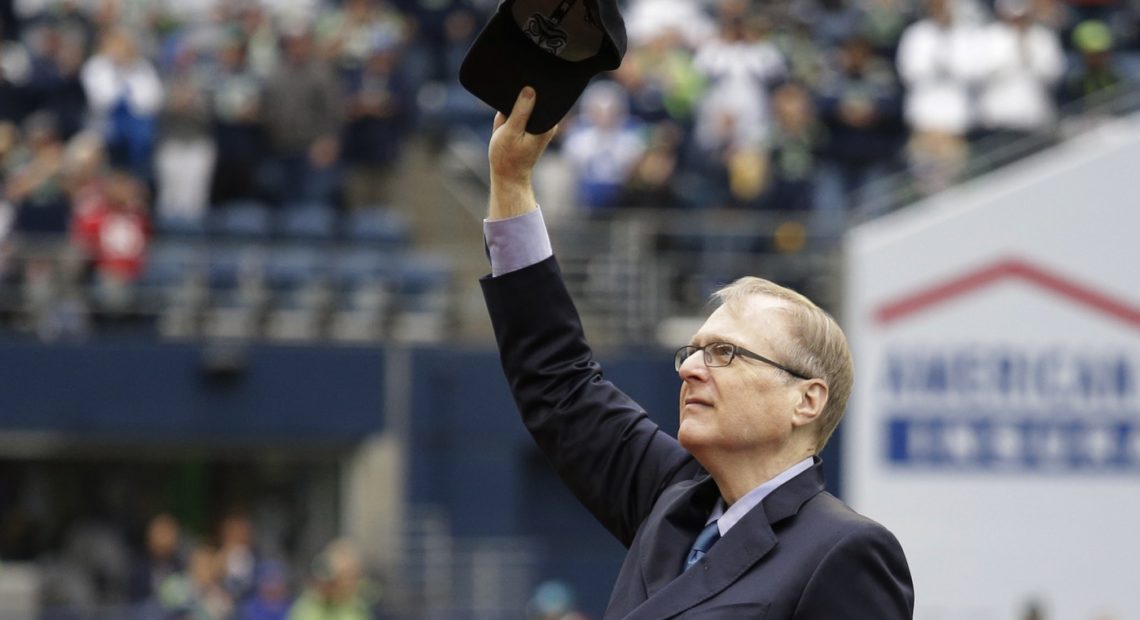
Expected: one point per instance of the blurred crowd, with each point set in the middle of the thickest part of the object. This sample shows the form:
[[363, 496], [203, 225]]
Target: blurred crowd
[[174, 575], [201, 104], [117, 117], [121, 117], [808, 105]]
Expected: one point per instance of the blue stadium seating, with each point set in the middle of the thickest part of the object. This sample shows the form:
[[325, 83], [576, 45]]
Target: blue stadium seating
[[313, 221], [169, 262], [179, 226], [291, 266], [378, 227], [241, 220]]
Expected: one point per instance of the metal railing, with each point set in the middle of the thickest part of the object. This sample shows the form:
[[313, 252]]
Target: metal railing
[[294, 291], [993, 152], [633, 272], [451, 578]]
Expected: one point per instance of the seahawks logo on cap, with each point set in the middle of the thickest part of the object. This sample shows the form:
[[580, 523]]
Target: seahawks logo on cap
[[547, 32]]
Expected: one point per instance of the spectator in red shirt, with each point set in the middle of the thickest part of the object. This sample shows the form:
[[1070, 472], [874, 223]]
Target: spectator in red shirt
[[112, 228]]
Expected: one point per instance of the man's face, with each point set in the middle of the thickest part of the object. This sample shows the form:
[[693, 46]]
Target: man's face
[[746, 406]]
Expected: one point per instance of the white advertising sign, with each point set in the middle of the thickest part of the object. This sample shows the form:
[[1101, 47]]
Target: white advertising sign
[[995, 425]]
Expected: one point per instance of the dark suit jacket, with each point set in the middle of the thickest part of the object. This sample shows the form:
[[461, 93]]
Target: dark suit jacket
[[801, 553]]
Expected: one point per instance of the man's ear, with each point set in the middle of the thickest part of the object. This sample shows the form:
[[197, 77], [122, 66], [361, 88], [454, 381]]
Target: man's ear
[[813, 398]]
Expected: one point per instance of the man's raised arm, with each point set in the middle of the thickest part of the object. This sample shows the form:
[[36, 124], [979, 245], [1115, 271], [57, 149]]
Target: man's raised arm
[[515, 234]]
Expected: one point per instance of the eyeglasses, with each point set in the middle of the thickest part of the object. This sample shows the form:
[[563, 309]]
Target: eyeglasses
[[718, 354]]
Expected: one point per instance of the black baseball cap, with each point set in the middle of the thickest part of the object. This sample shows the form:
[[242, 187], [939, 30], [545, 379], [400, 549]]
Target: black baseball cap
[[554, 46]]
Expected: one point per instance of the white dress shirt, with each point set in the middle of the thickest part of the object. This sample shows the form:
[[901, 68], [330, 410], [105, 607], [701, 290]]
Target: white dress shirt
[[726, 518]]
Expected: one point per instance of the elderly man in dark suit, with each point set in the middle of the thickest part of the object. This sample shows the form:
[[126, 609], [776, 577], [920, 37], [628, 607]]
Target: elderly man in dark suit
[[730, 519]]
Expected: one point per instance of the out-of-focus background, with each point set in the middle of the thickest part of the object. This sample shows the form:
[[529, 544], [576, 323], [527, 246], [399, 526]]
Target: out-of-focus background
[[245, 371]]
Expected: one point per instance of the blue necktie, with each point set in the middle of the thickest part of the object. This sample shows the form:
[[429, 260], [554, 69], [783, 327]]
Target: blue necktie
[[702, 544]]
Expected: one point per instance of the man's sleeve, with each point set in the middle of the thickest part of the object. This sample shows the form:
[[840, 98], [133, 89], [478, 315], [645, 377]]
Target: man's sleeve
[[602, 443], [516, 242], [864, 576]]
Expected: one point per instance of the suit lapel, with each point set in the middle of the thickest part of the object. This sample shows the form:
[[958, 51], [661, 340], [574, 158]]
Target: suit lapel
[[669, 538], [787, 500], [752, 538]]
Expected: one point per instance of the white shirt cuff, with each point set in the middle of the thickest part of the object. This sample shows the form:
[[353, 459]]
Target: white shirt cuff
[[516, 242]]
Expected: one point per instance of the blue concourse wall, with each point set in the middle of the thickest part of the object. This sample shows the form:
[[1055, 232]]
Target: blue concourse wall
[[190, 392], [472, 455]]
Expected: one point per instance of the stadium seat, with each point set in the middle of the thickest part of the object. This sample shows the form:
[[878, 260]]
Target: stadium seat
[[421, 309], [237, 293], [291, 266], [173, 285], [355, 265], [312, 221], [169, 262], [378, 227], [241, 220], [364, 279], [175, 226], [422, 274], [297, 279]]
